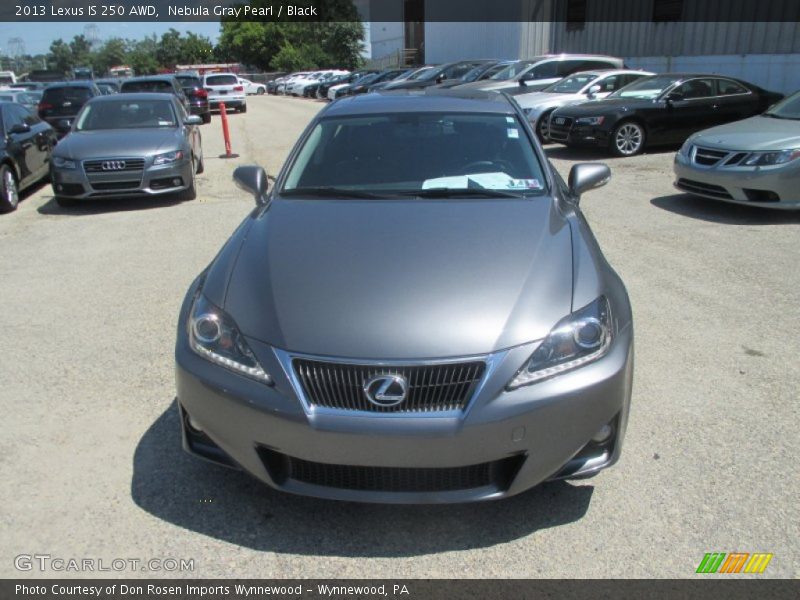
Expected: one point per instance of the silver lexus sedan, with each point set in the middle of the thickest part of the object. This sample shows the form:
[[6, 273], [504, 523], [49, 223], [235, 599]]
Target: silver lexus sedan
[[753, 161], [140, 144], [415, 312]]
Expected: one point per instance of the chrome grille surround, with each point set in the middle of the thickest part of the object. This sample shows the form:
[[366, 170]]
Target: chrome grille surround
[[464, 387]]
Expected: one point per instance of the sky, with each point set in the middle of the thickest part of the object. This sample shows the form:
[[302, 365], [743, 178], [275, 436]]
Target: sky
[[38, 36]]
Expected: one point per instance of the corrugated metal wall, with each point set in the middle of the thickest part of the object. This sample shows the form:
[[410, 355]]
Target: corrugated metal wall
[[445, 42]]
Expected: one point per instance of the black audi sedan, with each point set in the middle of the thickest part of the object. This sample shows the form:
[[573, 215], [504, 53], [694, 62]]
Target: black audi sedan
[[658, 110]]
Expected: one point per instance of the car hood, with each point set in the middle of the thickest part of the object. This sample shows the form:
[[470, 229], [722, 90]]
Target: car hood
[[402, 279], [81, 145], [604, 107], [755, 133]]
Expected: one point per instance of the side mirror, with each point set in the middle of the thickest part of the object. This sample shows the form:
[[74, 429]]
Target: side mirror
[[594, 90], [587, 176], [252, 179], [440, 78], [19, 128], [193, 120], [64, 124]]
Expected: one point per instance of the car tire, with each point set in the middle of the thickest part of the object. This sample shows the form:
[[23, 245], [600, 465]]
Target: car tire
[[65, 202], [542, 126], [260, 91], [628, 139], [201, 165], [9, 192], [190, 193], [207, 118], [243, 108]]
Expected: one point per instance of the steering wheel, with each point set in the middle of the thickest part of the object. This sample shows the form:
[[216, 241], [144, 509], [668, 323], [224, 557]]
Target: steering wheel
[[479, 166]]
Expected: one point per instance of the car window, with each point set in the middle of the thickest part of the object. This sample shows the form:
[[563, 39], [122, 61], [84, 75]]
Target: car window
[[611, 83], [646, 88], [513, 70], [696, 88], [728, 88], [61, 95], [543, 71], [415, 151], [6, 98], [157, 86], [188, 81], [221, 80], [567, 67], [572, 84], [28, 117], [126, 114], [12, 116]]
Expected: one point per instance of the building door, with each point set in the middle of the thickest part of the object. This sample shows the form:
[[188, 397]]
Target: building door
[[414, 17]]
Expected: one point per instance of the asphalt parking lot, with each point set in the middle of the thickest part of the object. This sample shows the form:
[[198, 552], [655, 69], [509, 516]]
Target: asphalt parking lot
[[90, 455]]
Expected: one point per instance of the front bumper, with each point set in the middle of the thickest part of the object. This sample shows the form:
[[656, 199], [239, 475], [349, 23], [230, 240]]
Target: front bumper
[[571, 134], [771, 187], [150, 181], [517, 439]]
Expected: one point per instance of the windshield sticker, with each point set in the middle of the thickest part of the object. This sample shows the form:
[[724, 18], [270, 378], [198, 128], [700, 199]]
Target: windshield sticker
[[510, 120], [487, 181], [513, 133]]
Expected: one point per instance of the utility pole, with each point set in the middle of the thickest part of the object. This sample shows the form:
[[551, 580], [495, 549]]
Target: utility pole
[[16, 49]]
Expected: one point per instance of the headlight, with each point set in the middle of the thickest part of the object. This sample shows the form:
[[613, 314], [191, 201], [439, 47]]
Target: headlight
[[578, 339], [686, 148], [590, 121], [63, 163], [168, 157], [778, 157], [215, 337]]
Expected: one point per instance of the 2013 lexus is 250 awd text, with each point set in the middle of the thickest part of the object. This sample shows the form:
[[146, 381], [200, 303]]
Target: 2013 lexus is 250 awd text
[[416, 311]]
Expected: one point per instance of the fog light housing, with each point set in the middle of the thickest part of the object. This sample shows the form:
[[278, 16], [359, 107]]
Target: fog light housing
[[603, 434]]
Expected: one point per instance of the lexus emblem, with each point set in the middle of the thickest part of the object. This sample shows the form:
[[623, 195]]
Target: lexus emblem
[[386, 389], [112, 165]]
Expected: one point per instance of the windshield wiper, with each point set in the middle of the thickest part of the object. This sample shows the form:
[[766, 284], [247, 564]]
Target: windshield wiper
[[461, 192], [776, 116], [330, 192]]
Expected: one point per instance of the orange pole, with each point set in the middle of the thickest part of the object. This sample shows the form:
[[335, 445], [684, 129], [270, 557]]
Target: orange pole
[[225, 133]]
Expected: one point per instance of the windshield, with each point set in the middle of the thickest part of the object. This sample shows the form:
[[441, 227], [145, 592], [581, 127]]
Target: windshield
[[190, 81], [221, 80], [646, 88], [416, 154], [513, 70], [126, 114], [572, 84], [61, 95], [788, 108], [420, 73]]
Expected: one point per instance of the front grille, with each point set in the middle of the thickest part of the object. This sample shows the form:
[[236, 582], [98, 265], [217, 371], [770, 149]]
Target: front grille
[[707, 157], [437, 387], [498, 474], [559, 131], [128, 164], [703, 188]]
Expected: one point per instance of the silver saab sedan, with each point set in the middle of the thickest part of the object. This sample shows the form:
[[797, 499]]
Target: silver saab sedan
[[416, 311], [754, 161], [140, 144]]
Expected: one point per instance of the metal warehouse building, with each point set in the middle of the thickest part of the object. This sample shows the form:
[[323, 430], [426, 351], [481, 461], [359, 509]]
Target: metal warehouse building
[[757, 41]]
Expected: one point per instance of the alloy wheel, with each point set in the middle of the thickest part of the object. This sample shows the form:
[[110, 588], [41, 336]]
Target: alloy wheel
[[629, 138]]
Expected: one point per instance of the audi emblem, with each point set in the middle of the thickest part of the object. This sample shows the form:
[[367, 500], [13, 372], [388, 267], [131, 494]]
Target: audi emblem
[[112, 165]]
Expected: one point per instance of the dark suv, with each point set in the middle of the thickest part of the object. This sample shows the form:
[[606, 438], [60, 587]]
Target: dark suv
[[196, 95], [158, 84], [61, 103]]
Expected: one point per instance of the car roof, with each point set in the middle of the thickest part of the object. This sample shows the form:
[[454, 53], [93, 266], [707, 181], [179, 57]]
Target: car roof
[[134, 96], [414, 101], [148, 78], [62, 84]]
